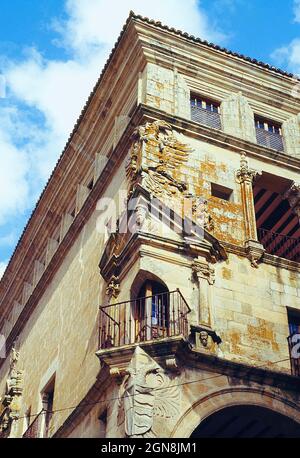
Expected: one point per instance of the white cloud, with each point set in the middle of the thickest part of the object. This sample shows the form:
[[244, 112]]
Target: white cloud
[[3, 266], [54, 91], [289, 54]]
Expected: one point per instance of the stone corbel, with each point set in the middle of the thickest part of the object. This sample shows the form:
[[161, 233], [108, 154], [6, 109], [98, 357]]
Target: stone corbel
[[113, 288], [118, 374], [255, 252], [202, 270], [293, 196], [172, 364], [205, 338]]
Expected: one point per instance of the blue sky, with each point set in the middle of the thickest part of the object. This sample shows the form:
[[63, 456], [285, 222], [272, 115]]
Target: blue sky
[[52, 51]]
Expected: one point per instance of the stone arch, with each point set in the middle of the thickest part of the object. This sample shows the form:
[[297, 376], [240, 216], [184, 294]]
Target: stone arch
[[221, 399], [140, 278]]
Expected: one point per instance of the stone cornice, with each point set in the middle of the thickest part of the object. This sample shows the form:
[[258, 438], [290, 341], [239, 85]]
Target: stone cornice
[[225, 73], [198, 41]]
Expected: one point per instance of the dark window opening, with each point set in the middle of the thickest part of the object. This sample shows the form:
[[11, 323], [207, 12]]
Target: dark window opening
[[47, 403], [294, 322], [90, 185], [103, 423], [27, 418], [221, 192]]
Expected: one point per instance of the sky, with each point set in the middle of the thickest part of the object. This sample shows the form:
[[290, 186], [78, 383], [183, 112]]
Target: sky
[[52, 52]]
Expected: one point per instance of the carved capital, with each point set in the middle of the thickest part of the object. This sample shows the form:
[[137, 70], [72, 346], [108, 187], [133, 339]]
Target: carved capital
[[255, 252], [244, 173], [202, 270]]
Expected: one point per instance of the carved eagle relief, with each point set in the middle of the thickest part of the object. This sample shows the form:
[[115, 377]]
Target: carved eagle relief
[[145, 393], [157, 154]]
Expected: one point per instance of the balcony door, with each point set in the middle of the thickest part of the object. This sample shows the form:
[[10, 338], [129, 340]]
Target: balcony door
[[152, 312]]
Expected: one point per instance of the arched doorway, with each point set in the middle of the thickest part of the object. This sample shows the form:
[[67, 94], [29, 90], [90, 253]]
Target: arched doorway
[[247, 422]]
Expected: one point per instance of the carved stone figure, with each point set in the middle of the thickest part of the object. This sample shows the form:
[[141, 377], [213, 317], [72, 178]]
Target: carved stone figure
[[146, 392], [11, 402], [201, 214], [293, 196], [113, 288]]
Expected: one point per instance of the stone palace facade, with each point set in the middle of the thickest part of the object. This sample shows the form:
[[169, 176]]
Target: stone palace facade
[[155, 291]]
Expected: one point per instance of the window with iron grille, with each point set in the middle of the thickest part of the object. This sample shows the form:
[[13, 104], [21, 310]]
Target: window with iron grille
[[269, 134], [205, 111]]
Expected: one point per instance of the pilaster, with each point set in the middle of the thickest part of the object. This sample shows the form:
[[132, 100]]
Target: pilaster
[[245, 177]]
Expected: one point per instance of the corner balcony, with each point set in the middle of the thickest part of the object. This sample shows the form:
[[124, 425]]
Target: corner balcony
[[280, 245], [145, 319], [293, 341]]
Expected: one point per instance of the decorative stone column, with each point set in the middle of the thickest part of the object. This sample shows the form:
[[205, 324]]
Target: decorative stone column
[[245, 177], [205, 278], [293, 196], [204, 335]]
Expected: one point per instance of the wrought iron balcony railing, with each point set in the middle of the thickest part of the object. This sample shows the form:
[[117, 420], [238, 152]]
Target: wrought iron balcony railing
[[293, 342], [269, 139], [206, 117], [34, 430], [143, 319], [280, 245]]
